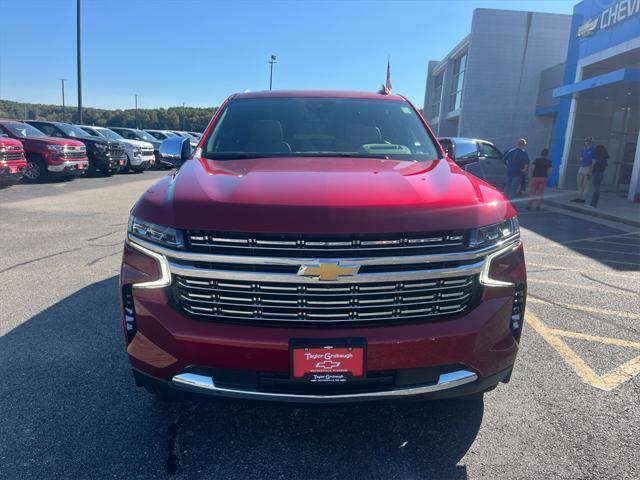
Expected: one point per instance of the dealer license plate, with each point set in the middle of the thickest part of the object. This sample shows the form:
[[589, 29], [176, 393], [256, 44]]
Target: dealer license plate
[[327, 363]]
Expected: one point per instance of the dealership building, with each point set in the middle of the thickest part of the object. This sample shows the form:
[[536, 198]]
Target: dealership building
[[595, 93], [488, 85], [554, 79]]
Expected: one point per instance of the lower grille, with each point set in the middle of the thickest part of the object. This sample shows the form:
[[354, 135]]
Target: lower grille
[[6, 157], [242, 301]]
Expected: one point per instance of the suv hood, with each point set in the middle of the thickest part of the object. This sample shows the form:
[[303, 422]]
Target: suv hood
[[137, 143], [321, 196], [52, 141], [10, 142]]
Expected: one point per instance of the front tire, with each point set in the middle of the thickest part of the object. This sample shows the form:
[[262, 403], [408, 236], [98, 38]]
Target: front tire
[[36, 170]]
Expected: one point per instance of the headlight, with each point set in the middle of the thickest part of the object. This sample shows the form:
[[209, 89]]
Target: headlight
[[55, 148], [102, 146], [494, 234], [153, 232], [137, 151]]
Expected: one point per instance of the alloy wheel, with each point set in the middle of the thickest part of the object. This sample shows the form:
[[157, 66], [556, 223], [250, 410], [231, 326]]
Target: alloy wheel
[[33, 171]]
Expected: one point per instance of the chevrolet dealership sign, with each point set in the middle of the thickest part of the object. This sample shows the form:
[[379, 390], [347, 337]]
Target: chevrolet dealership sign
[[609, 17]]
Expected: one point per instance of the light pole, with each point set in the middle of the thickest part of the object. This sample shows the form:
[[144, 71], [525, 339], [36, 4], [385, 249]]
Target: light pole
[[182, 116], [271, 61], [63, 106], [79, 53], [136, 114]]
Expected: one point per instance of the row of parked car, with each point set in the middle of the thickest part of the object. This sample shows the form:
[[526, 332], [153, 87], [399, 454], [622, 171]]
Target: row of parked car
[[36, 150]]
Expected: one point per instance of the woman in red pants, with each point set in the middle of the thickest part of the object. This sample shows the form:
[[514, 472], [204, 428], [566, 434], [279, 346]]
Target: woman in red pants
[[540, 171]]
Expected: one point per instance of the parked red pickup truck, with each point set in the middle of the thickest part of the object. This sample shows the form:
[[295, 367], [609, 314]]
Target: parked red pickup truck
[[320, 247], [47, 156], [12, 161]]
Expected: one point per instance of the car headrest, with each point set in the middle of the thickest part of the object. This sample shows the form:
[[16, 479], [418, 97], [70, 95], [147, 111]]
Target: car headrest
[[266, 131]]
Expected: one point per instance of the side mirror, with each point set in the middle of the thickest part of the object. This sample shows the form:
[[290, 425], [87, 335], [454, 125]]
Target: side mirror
[[448, 148], [175, 150]]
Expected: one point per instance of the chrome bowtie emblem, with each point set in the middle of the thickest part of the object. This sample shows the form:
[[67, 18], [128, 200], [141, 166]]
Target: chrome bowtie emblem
[[588, 28], [328, 270]]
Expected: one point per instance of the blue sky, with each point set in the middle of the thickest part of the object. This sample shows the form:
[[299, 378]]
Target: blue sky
[[200, 51]]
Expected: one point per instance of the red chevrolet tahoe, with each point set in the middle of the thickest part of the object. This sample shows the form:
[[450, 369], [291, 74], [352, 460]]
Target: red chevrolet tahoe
[[319, 247], [12, 161]]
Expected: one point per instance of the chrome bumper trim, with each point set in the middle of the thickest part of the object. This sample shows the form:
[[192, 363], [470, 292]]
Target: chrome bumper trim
[[293, 278], [278, 261], [66, 164], [206, 384]]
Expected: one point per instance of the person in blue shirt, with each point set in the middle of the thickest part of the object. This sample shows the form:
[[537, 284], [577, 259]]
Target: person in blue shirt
[[584, 171], [517, 161]]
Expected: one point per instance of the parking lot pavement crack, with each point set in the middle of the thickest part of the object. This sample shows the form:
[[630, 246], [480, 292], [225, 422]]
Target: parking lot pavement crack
[[615, 287], [105, 244], [21, 264], [96, 260], [102, 236], [173, 444]]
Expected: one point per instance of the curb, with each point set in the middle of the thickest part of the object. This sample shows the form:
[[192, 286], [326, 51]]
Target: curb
[[594, 212]]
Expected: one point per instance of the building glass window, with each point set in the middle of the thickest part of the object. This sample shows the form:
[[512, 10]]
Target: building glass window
[[459, 67], [437, 95]]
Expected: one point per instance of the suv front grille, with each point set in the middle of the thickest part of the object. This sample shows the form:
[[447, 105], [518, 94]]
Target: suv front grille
[[7, 156], [74, 153], [322, 303], [116, 152], [310, 246]]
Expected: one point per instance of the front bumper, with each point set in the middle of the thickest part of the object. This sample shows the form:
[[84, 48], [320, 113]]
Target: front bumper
[[449, 385], [451, 356], [11, 174], [69, 167], [142, 161]]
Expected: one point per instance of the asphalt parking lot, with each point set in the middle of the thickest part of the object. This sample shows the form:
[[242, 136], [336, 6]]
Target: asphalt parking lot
[[69, 408]]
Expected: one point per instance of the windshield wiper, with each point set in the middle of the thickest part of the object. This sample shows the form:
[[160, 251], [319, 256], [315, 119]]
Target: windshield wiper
[[238, 155], [346, 155]]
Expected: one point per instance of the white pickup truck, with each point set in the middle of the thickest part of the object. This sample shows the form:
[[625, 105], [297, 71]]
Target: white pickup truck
[[140, 154]]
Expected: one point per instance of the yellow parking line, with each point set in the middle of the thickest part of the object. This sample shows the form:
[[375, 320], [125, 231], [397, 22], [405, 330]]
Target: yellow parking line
[[586, 257], [618, 252], [581, 368], [626, 276], [595, 338], [592, 288], [584, 239], [582, 308], [606, 382], [637, 245]]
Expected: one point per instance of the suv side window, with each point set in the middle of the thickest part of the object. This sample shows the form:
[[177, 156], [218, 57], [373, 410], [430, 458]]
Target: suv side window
[[489, 151], [49, 130], [125, 133], [91, 132], [466, 152]]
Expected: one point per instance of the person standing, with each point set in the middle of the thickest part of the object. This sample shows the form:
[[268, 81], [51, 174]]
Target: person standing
[[517, 161], [598, 167], [584, 171], [540, 171]]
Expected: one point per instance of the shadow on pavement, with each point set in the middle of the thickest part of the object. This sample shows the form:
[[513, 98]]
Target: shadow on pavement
[[70, 410], [584, 237]]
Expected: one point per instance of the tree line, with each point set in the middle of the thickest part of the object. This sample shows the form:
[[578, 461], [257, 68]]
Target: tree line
[[193, 119]]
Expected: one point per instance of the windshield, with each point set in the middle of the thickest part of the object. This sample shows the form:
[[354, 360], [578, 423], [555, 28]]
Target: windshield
[[259, 127], [73, 131], [24, 130], [92, 132], [145, 136], [110, 134]]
